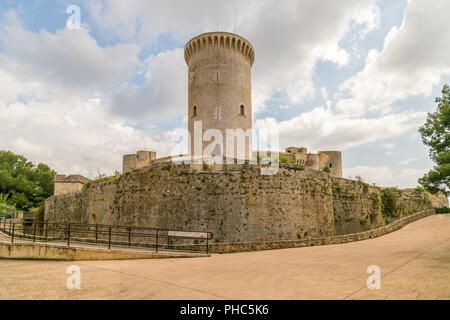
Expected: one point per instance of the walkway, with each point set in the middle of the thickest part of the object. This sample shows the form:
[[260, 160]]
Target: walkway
[[414, 262]]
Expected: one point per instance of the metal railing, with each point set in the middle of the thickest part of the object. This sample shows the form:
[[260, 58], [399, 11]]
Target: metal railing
[[109, 235]]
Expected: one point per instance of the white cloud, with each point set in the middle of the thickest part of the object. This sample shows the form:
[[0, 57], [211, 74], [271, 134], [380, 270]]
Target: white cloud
[[410, 176], [289, 36], [164, 94], [388, 148], [350, 107], [413, 60], [67, 62], [386, 176], [407, 162], [75, 137], [57, 96], [321, 129], [54, 100], [381, 176], [32, 149]]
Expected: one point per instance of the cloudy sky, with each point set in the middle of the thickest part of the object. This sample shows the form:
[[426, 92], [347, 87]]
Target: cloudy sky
[[352, 75]]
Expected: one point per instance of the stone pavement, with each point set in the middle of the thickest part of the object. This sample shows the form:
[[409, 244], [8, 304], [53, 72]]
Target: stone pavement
[[414, 262]]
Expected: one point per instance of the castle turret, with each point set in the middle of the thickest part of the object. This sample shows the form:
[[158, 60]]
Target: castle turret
[[333, 160], [219, 94]]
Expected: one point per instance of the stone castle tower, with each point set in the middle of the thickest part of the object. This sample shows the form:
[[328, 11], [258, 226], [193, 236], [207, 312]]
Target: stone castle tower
[[219, 90]]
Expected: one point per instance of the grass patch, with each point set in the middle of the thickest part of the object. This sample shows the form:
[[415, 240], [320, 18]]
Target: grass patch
[[326, 169], [284, 159], [102, 180]]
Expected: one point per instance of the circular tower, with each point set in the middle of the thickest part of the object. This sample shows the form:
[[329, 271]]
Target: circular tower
[[219, 93]]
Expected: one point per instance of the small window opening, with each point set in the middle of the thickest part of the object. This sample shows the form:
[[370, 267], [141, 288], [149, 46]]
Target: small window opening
[[331, 166], [195, 111], [242, 113]]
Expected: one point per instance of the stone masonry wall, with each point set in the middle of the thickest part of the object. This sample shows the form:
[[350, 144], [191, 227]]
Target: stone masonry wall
[[237, 204]]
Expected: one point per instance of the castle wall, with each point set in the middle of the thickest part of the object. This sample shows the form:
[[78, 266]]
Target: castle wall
[[357, 206], [313, 161], [237, 204], [438, 200]]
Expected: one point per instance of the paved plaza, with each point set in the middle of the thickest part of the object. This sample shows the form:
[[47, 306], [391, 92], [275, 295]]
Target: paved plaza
[[414, 263]]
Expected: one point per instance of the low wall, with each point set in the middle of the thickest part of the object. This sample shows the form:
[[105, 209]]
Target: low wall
[[270, 245], [40, 251]]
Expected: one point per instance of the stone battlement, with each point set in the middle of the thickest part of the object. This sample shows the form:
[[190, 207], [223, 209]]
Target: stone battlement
[[220, 40], [139, 160], [69, 184], [298, 156]]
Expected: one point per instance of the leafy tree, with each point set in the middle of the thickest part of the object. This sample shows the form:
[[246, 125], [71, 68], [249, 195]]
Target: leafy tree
[[436, 134], [4, 206], [24, 184]]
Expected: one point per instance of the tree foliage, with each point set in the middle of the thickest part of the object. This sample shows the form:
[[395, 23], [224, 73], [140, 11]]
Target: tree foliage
[[436, 134], [24, 184], [4, 206]]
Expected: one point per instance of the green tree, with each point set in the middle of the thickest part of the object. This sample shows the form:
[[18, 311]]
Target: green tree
[[24, 184], [436, 134], [4, 206]]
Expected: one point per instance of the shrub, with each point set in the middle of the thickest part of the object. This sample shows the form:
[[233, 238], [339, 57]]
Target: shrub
[[284, 159], [443, 210], [389, 202], [337, 187], [206, 167], [101, 180], [6, 208], [326, 169], [39, 213], [373, 217], [375, 199]]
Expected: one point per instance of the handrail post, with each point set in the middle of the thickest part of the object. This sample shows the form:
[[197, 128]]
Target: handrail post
[[12, 235], [34, 231], [157, 238], [9, 227], [129, 236], [68, 235], [96, 233], [207, 244], [46, 228], [109, 238], [168, 241]]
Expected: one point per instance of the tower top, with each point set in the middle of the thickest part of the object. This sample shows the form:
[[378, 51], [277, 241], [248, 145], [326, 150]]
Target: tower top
[[219, 39]]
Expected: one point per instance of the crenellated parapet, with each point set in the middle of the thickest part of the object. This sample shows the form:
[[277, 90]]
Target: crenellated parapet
[[138, 160], [222, 40]]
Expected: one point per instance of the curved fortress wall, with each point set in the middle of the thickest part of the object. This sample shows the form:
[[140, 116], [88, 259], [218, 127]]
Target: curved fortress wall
[[237, 205], [219, 89]]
